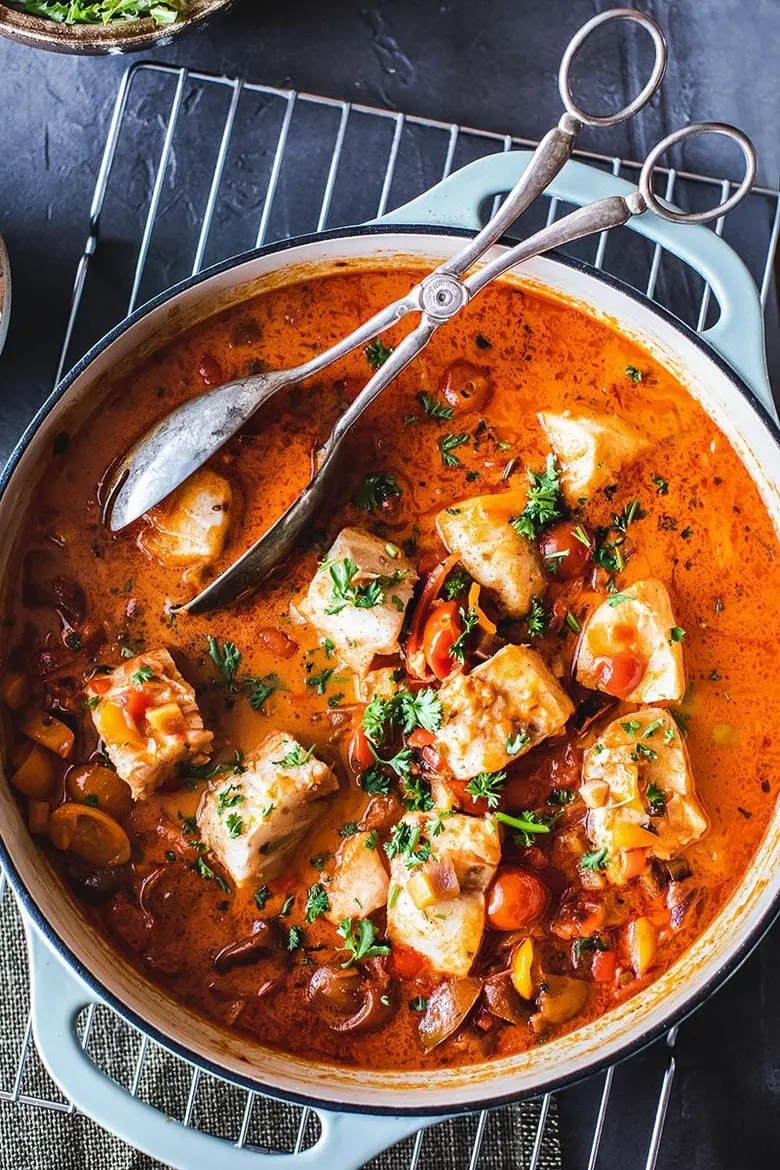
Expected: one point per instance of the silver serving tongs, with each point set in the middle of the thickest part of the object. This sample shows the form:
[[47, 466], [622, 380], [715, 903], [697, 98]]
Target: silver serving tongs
[[186, 438]]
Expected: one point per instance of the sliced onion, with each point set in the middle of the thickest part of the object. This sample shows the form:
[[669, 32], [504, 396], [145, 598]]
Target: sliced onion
[[448, 1007]]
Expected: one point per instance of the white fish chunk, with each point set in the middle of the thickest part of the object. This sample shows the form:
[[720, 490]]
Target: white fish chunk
[[148, 719], [499, 712], [255, 821], [492, 551], [591, 449], [191, 527], [447, 933], [358, 598], [360, 881], [639, 789], [639, 621]]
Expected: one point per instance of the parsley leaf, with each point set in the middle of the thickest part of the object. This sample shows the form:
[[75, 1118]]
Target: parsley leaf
[[259, 689], [537, 618], [295, 758], [375, 782], [345, 592], [487, 786], [320, 681], [457, 583], [360, 940], [447, 444], [225, 657], [261, 896], [235, 824], [316, 902], [470, 619], [422, 709], [560, 796], [142, 675], [517, 741], [527, 824], [434, 408], [676, 634], [544, 503], [376, 490], [656, 798], [377, 353], [162, 12], [631, 512], [634, 374], [405, 843], [595, 861]]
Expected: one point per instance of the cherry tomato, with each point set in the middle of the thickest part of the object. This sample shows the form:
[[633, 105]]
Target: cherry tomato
[[406, 963], [420, 738], [476, 805], [135, 703], [603, 966], [620, 673], [516, 898], [276, 642], [359, 752], [466, 386], [442, 629], [95, 785], [566, 538], [90, 833], [211, 371]]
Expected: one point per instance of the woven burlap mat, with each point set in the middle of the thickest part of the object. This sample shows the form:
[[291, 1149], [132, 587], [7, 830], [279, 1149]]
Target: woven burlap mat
[[34, 1137]]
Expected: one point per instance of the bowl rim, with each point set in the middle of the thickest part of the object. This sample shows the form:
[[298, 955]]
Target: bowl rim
[[116, 35], [723, 971]]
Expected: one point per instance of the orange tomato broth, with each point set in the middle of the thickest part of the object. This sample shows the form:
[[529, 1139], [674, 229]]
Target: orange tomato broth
[[706, 534]]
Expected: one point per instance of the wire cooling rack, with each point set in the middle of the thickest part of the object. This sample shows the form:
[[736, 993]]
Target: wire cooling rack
[[197, 168]]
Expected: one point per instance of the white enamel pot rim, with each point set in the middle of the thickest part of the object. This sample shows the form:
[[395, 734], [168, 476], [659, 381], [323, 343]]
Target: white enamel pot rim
[[632, 1025]]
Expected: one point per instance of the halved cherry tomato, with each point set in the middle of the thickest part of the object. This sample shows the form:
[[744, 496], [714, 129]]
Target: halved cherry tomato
[[567, 555], [442, 630], [620, 673], [603, 966], [466, 386], [477, 805], [406, 963], [430, 590], [516, 898], [136, 703], [90, 833], [276, 642], [432, 759], [99, 686], [359, 752], [421, 738]]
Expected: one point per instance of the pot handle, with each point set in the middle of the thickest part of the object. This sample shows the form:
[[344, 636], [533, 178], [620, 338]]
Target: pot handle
[[347, 1140], [737, 336]]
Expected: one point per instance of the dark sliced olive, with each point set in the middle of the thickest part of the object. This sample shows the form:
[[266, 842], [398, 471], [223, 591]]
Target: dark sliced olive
[[448, 1007], [501, 999]]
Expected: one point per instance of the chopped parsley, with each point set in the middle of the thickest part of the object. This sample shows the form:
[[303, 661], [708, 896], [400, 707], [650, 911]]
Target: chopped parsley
[[487, 786], [661, 485], [618, 599], [456, 584], [631, 726], [433, 408], [560, 796], [517, 741], [377, 353], [348, 829], [360, 940], [376, 490], [537, 618], [447, 444], [676, 634], [631, 512], [375, 782], [316, 902], [545, 501], [294, 938], [320, 681], [417, 794], [581, 945], [228, 798], [405, 843], [422, 709], [634, 374], [418, 1004], [261, 896], [596, 860], [526, 825], [656, 798], [295, 758], [346, 592], [470, 619], [225, 657], [287, 905], [644, 751], [235, 825], [142, 675], [259, 689], [329, 647]]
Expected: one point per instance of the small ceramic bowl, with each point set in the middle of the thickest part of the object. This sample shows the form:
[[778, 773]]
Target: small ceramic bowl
[[120, 36]]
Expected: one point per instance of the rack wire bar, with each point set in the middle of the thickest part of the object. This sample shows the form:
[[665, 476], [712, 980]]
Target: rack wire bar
[[283, 160]]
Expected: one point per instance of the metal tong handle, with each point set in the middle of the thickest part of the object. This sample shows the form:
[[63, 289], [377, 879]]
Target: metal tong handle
[[597, 217]]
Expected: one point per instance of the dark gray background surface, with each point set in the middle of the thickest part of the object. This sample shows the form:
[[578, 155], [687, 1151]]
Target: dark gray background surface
[[487, 63]]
